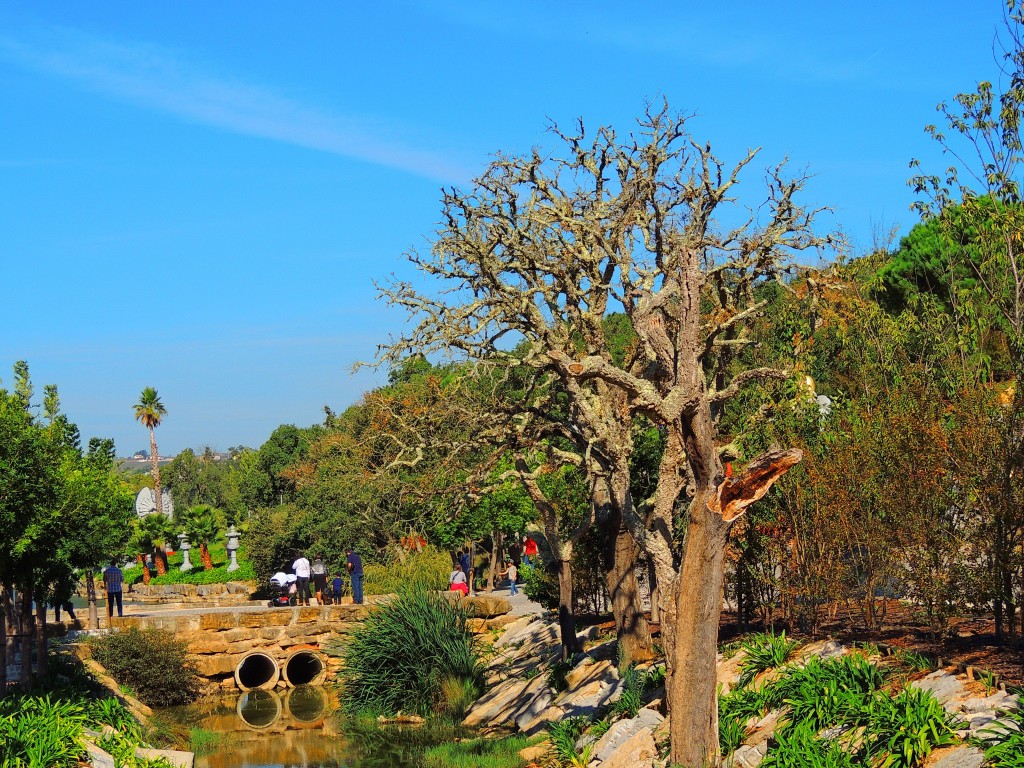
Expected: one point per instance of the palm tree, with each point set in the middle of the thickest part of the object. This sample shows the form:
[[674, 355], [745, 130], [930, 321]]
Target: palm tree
[[150, 411], [203, 525], [157, 530]]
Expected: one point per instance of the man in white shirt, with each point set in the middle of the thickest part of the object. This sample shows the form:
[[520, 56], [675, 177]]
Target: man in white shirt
[[301, 568]]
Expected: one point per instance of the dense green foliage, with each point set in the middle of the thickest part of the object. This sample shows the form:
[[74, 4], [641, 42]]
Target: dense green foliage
[[151, 662], [478, 753], [413, 654]]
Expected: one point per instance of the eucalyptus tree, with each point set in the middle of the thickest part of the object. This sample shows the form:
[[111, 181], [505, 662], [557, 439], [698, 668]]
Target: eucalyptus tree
[[150, 411], [543, 248]]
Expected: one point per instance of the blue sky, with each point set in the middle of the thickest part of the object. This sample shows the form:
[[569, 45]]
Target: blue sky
[[197, 196]]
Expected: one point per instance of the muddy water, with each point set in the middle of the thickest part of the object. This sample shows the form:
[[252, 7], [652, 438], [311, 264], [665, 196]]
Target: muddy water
[[299, 728]]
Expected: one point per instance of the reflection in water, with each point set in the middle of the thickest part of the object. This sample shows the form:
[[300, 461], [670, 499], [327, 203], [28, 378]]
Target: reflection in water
[[300, 729], [259, 709]]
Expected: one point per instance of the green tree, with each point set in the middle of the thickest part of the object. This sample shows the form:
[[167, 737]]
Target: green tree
[[203, 524], [150, 411]]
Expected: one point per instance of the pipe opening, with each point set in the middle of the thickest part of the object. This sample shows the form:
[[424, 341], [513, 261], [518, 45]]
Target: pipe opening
[[257, 670], [304, 668]]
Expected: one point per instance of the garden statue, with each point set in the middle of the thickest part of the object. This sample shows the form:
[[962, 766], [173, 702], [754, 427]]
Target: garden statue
[[232, 547], [184, 546]]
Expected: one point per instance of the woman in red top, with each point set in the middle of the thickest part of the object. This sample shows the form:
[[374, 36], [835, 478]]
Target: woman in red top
[[529, 550]]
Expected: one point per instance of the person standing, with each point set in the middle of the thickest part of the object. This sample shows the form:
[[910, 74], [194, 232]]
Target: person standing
[[301, 568], [354, 563], [513, 573], [113, 578], [529, 551], [320, 579]]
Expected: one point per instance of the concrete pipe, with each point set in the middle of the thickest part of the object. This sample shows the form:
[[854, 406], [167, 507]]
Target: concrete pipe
[[259, 709], [306, 704], [304, 668], [257, 670]]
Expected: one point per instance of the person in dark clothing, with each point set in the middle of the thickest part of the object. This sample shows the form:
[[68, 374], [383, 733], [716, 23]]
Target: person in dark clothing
[[319, 571], [336, 586], [355, 571], [464, 561], [113, 578]]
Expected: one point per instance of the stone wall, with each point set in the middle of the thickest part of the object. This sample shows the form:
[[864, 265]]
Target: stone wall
[[232, 592]]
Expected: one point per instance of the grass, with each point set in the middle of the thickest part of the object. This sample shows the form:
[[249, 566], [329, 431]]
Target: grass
[[45, 726], [564, 734], [219, 574], [479, 753], [764, 651], [414, 654], [1008, 751]]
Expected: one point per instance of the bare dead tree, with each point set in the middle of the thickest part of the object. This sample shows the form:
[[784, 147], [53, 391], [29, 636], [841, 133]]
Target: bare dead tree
[[539, 251]]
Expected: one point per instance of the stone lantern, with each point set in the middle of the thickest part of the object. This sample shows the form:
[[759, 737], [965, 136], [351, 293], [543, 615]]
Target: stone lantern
[[184, 546], [232, 547]]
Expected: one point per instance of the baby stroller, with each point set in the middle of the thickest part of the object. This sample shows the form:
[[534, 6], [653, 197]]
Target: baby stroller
[[284, 583]]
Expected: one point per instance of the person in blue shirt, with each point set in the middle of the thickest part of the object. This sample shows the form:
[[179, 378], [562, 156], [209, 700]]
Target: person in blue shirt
[[336, 587], [355, 571]]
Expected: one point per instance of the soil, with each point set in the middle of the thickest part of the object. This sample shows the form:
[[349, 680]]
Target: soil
[[967, 641]]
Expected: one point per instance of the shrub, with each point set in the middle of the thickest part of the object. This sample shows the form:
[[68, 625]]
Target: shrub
[[764, 651], [151, 662], [564, 734], [477, 753], [397, 660], [909, 726], [540, 585], [1008, 751], [428, 568]]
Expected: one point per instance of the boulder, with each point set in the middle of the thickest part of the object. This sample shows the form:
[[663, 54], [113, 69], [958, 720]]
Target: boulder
[[748, 756], [943, 686], [99, 758], [962, 756], [638, 751], [485, 606], [623, 732]]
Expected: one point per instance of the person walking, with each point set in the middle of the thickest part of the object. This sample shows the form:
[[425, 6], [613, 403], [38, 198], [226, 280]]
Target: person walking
[[113, 578], [301, 568], [512, 573], [529, 551], [319, 571], [354, 563]]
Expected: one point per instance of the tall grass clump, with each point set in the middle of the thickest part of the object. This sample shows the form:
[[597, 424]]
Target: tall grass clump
[[478, 753], [1008, 749], [764, 651], [414, 654], [428, 568], [151, 662]]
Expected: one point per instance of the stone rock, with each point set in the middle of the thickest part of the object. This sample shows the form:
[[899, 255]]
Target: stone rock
[[624, 731], [218, 621], [207, 644], [728, 671], [174, 757], [747, 756], [239, 634], [216, 665], [99, 758], [506, 704], [962, 756], [589, 688], [485, 606], [764, 729], [536, 752], [638, 751], [239, 587], [943, 686], [512, 630]]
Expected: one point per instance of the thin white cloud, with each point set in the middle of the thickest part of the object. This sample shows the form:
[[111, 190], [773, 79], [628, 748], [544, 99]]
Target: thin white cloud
[[156, 78]]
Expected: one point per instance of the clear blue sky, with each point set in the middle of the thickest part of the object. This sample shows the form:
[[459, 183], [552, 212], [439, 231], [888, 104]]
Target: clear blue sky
[[196, 196]]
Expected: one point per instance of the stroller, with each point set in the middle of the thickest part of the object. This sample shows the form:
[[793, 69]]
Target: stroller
[[284, 583]]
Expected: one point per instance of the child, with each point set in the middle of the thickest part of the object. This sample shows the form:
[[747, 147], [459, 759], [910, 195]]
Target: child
[[336, 586], [512, 572]]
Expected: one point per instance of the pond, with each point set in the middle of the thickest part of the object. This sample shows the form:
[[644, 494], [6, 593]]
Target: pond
[[298, 728]]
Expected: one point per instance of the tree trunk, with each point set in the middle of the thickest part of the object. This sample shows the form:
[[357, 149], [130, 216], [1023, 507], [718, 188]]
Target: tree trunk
[[204, 553], [160, 558], [145, 568], [27, 627], [3, 641], [698, 600], [157, 496], [10, 622], [566, 617], [41, 659], [495, 559], [652, 583], [631, 628], [90, 596]]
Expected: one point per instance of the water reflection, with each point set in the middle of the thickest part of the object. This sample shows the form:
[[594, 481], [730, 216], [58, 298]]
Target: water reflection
[[300, 728]]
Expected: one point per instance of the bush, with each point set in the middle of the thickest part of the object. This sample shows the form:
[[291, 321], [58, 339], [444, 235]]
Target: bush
[[428, 568], [151, 662], [414, 654]]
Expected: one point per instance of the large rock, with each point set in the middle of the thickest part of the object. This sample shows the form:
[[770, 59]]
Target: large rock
[[638, 751], [962, 756], [507, 703], [623, 732], [99, 758], [485, 606], [942, 685]]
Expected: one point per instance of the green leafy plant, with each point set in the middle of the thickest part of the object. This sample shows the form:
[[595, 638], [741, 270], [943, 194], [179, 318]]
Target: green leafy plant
[[764, 651], [403, 653], [151, 661], [1008, 751], [428, 568], [989, 680], [909, 726], [915, 662], [564, 734], [799, 747], [556, 677], [477, 753]]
